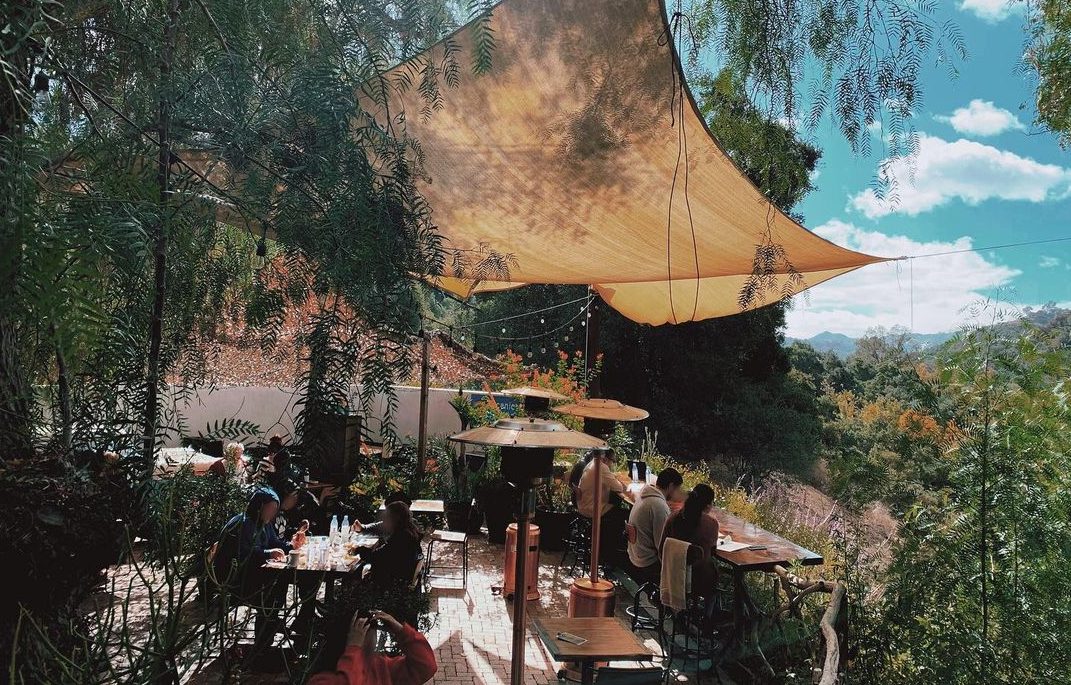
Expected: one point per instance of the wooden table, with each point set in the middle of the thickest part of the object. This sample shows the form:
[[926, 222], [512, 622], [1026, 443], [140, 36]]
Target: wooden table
[[297, 574], [778, 551], [608, 639]]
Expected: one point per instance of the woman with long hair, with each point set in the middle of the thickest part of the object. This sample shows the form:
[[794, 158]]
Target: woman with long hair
[[696, 524], [394, 559]]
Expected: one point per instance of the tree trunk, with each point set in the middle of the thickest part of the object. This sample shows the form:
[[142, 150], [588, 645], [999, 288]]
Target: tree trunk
[[16, 395], [63, 384], [163, 181]]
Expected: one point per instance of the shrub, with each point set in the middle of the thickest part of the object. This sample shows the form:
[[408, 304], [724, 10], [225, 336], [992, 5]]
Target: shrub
[[62, 531]]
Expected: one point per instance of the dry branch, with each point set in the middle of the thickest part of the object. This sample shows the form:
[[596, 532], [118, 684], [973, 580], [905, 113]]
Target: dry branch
[[796, 589]]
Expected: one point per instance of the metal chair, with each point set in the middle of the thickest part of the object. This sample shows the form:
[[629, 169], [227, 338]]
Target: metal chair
[[691, 622], [451, 538], [649, 589], [578, 545]]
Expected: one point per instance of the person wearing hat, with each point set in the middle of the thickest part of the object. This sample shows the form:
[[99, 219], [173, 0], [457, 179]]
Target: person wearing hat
[[247, 541]]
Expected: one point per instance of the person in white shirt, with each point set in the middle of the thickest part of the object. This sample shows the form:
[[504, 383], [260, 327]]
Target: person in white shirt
[[613, 517], [648, 518]]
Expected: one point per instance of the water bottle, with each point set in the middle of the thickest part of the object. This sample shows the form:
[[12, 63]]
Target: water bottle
[[333, 534], [345, 528]]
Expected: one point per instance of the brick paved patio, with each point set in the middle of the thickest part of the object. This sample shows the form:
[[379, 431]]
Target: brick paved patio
[[473, 631]]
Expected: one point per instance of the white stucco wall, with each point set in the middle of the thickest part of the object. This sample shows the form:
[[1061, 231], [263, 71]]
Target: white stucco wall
[[273, 410]]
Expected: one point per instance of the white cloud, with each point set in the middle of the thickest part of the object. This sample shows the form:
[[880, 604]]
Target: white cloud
[[982, 118], [991, 10], [963, 169], [1049, 262], [881, 294]]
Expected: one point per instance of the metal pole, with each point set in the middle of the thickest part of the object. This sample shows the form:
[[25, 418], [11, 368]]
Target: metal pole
[[422, 428], [520, 586], [596, 518]]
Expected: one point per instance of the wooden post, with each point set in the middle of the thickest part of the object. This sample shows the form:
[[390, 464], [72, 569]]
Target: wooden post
[[422, 428]]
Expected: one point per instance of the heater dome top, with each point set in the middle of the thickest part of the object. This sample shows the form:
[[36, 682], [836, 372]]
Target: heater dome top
[[606, 410], [529, 433]]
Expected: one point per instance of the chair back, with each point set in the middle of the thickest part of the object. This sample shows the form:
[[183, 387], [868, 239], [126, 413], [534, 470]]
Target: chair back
[[630, 676], [418, 575], [676, 577], [631, 533]]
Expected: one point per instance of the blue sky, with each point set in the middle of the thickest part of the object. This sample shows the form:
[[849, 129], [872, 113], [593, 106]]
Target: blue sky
[[985, 175]]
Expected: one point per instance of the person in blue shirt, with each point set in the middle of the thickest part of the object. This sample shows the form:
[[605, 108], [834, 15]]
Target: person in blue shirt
[[247, 541]]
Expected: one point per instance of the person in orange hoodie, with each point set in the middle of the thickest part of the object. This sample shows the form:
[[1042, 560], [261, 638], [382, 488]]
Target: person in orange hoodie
[[360, 664]]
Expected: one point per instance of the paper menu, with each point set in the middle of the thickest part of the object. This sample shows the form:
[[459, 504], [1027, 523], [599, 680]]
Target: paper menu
[[731, 546]]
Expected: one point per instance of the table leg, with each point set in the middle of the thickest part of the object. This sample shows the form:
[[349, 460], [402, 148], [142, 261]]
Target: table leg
[[740, 609], [587, 672]]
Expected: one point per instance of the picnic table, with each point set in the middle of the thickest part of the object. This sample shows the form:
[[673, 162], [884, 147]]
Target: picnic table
[[608, 639]]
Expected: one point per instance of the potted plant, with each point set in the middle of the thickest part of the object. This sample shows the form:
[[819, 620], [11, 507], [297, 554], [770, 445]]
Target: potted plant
[[497, 498], [451, 482], [554, 513]]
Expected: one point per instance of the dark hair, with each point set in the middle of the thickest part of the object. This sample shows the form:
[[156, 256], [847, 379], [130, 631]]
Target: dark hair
[[578, 469], [669, 476], [259, 498], [286, 485], [403, 520], [701, 497]]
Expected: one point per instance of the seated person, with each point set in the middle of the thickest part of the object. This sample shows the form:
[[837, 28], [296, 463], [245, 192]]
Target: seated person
[[648, 518], [247, 541], [233, 458], [394, 558], [275, 465], [361, 665], [577, 473], [695, 524], [613, 517], [376, 527], [296, 508]]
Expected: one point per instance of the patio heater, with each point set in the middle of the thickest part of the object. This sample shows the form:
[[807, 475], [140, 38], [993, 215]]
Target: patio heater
[[594, 596], [527, 446]]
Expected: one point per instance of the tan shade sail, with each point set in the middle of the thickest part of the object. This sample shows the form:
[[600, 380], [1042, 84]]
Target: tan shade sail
[[577, 156]]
